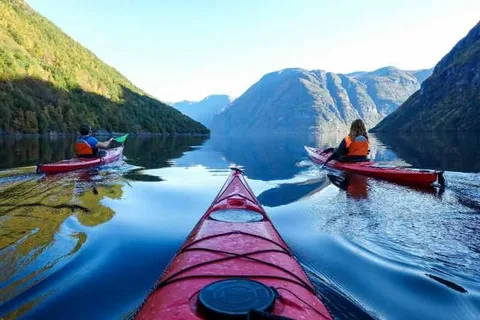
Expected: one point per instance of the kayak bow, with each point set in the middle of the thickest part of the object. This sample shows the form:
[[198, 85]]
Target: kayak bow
[[420, 177], [234, 265]]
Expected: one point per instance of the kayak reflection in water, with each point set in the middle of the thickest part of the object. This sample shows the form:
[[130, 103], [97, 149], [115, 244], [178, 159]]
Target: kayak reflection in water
[[355, 146], [87, 146], [354, 184]]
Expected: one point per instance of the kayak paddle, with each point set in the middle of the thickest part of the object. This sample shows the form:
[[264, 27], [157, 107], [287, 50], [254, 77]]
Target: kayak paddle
[[325, 151], [323, 165], [121, 139]]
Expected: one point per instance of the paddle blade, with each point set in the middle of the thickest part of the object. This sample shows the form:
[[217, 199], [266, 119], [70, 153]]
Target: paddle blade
[[121, 139]]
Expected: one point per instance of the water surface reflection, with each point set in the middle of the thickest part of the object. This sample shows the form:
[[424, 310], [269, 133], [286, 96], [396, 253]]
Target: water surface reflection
[[92, 243]]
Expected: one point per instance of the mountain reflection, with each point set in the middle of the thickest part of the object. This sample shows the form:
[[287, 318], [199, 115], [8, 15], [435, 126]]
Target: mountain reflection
[[34, 238], [443, 151]]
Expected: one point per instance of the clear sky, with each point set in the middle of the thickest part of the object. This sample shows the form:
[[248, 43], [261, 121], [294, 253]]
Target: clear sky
[[188, 49]]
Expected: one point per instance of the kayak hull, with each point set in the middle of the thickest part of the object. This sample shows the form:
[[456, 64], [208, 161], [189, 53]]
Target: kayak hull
[[112, 155], [400, 175], [218, 250]]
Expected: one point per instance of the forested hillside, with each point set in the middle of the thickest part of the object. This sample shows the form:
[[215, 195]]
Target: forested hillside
[[449, 99], [50, 83]]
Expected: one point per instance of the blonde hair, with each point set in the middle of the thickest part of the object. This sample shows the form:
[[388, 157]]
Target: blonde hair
[[358, 129]]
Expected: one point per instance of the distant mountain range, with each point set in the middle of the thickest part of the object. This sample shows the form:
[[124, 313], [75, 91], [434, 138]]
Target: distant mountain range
[[302, 101], [449, 100], [203, 111], [50, 83]]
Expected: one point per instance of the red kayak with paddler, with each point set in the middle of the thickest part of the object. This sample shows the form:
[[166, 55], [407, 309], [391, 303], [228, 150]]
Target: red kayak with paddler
[[352, 156]]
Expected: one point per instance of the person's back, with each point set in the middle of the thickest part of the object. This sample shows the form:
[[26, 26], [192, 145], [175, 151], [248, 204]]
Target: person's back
[[87, 146], [355, 146]]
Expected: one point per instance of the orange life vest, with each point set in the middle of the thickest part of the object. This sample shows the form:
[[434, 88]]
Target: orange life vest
[[82, 148], [356, 147]]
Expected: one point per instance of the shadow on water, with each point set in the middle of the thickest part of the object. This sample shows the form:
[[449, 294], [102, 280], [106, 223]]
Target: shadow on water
[[265, 158], [286, 193], [152, 152], [356, 185], [442, 151], [28, 151], [143, 151], [140, 175]]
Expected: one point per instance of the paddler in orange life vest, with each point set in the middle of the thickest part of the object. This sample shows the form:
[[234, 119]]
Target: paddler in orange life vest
[[355, 146], [88, 146]]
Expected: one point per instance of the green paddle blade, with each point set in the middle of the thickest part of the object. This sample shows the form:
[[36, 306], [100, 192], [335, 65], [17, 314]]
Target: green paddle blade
[[121, 139]]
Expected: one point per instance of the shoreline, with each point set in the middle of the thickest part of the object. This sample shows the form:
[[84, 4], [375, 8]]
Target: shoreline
[[98, 134]]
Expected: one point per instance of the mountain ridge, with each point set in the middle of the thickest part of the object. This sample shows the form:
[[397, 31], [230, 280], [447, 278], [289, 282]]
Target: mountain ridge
[[204, 110], [296, 100]]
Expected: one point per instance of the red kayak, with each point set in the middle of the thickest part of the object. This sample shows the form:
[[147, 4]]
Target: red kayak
[[234, 265], [370, 168], [81, 163]]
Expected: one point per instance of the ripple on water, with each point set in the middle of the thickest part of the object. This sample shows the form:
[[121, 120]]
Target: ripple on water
[[395, 246]]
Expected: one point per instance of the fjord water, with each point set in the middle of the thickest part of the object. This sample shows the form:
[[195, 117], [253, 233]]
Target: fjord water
[[91, 244]]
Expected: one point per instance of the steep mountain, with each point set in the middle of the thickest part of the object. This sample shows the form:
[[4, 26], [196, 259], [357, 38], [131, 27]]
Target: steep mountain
[[203, 111], [50, 83], [389, 87], [302, 101], [449, 100]]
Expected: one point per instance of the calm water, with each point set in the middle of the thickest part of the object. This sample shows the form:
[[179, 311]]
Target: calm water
[[372, 248]]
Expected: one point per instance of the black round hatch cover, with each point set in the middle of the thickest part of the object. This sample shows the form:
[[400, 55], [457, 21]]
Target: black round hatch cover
[[234, 298]]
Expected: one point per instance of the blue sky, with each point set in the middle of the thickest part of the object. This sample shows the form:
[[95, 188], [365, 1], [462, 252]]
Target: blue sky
[[188, 49]]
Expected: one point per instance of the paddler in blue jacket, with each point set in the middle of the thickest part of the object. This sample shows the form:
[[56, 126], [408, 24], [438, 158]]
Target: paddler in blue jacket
[[88, 146]]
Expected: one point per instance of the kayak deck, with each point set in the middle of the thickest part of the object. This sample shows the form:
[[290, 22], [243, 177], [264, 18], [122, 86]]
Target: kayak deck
[[81, 163], [421, 177], [223, 246]]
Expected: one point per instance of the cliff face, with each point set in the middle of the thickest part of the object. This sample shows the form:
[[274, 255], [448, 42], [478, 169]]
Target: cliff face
[[302, 101], [449, 100]]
